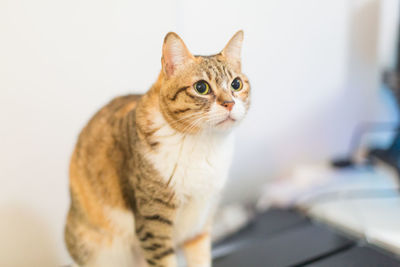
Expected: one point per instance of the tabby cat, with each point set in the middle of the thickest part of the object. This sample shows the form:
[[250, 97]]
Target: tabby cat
[[147, 170]]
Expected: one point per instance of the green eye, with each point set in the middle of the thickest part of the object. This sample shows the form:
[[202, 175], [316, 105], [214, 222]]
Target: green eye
[[202, 87], [237, 84]]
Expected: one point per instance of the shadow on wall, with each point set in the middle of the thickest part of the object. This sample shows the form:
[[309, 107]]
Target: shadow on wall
[[25, 238], [363, 60]]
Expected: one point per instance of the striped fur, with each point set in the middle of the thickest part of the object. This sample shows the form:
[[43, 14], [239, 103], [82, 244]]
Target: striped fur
[[147, 170]]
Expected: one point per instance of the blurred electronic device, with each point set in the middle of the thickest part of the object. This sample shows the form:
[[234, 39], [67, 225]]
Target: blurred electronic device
[[389, 155]]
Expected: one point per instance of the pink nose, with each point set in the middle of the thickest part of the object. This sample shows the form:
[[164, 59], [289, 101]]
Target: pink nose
[[228, 104]]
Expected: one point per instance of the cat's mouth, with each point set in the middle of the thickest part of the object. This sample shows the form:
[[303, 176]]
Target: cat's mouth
[[226, 120]]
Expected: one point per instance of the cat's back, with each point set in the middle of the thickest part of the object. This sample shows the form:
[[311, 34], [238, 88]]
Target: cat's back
[[99, 156]]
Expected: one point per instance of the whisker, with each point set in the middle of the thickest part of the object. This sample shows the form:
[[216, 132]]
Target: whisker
[[192, 125]]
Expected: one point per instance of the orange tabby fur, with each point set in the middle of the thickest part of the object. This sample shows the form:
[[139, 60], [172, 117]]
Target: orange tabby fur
[[132, 183]]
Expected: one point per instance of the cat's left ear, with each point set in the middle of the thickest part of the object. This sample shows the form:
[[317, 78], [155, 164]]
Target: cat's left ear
[[174, 54], [232, 51]]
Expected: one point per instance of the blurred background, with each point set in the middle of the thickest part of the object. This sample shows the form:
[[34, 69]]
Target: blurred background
[[315, 68]]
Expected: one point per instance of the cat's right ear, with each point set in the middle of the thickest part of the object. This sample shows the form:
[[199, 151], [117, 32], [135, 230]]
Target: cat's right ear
[[174, 54]]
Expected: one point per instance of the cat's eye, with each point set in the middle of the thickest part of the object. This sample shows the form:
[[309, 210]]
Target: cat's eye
[[237, 84], [202, 87]]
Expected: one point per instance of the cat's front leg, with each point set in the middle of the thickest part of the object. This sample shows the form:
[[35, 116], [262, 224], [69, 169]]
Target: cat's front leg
[[198, 251], [155, 238], [154, 221]]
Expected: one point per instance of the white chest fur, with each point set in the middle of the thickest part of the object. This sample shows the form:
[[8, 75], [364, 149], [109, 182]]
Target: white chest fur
[[199, 166]]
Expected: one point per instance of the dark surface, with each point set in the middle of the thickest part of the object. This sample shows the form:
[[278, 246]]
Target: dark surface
[[266, 224], [292, 247], [358, 256], [285, 238]]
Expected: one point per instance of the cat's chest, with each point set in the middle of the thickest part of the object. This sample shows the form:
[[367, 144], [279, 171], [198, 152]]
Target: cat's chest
[[193, 217], [195, 165]]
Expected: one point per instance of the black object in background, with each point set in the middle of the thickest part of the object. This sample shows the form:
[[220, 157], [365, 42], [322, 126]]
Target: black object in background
[[357, 256], [390, 155], [281, 238]]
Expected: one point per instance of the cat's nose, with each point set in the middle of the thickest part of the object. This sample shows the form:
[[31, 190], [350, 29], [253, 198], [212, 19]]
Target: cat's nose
[[228, 104]]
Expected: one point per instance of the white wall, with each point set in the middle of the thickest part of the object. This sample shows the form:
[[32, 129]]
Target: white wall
[[313, 66], [59, 62]]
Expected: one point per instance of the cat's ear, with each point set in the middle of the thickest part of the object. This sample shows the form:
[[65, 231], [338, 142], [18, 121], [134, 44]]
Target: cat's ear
[[174, 53], [233, 49]]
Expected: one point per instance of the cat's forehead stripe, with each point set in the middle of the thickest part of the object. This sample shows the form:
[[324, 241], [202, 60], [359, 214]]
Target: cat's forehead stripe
[[216, 70], [208, 73]]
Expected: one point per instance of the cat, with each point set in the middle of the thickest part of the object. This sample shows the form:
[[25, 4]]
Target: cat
[[147, 171]]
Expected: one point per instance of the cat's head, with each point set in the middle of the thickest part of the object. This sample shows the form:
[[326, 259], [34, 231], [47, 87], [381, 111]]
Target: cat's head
[[203, 92]]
